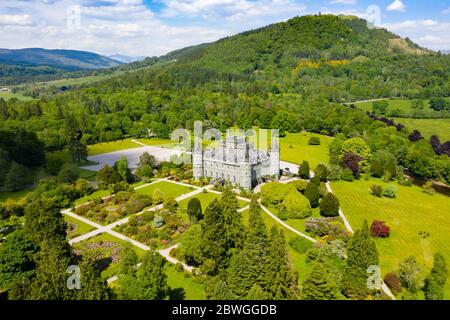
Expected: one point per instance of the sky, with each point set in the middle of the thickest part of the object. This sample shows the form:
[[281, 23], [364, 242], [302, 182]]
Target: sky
[[155, 27]]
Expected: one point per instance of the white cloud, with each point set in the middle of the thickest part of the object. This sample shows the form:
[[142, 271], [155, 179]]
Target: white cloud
[[397, 5], [429, 33], [15, 19], [446, 11], [343, 1], [232, 10]]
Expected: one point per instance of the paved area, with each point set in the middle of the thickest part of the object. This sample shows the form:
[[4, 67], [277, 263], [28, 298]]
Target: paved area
[[161, 154]]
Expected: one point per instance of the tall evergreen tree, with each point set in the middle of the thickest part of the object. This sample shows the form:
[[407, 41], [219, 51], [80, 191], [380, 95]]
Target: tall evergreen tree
[[50, 282], [151, 281], [319, 284], [312, 193], [194, 210], [361, 253], [44, 222], [435, 282], [92, 286], [303, 170], [281, 279]]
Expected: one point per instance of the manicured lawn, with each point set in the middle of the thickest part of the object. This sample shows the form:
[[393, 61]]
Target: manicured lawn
[[106, 147], [168, 189], [428, 127], [206, 198], [81, 227], [294, 148], [404, 105], [411, 215], [163, 143], [109, 248], [96, 194], [13, 195], [183, 287]]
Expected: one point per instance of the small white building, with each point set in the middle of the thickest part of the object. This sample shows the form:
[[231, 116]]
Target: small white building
[[237, 161]]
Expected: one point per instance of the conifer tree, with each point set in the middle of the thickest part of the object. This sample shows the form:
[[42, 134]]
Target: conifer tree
[[361, 253], [128, 260], [92, 286], [313, 195], [151, 279], [50, 282], [303, 170], [247, 266], [280, 279], [319, 284], [329, 205], [194, 210], [435, 282]]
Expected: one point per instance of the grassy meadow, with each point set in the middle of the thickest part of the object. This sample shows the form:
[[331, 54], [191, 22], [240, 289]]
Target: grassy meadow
[[428, 127], [419, 222], [168, 189]]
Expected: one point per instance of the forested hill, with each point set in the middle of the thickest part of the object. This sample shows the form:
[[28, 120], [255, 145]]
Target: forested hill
[[337, 57], [36, 64], [281, 45], [61, 59]]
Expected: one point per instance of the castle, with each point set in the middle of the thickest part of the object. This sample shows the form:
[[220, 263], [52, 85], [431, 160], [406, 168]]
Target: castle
[[237, 161]]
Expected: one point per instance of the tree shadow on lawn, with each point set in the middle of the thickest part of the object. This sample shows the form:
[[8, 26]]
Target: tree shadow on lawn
[[177, 294]]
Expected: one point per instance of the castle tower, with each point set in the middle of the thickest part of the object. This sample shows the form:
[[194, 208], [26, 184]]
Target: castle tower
[[274, 154], [197, 159], [246, 169]]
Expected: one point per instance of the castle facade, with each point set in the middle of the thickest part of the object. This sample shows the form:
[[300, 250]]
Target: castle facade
[[237, 161]]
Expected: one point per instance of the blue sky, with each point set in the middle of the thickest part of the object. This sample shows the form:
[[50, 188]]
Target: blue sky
[[155, 27]]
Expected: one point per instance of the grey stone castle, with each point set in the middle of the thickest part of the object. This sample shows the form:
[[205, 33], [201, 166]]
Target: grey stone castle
[[237, 161]]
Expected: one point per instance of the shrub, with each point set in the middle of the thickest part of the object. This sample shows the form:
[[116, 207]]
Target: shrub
[[390, 192], [68, 173], [329, 206], [321, 172], [379, 229], [179, 267], [428, 188], [393, 282], [315, 180], [170, 204], [274, 193], [300, 244], [194, 210], [347, 175], [324, 227], [296, 205], [376, 190], [300, 185], [312, 193], [303, 170], [335, 173], [157, 197], [314, 141], [158, 221], [120, 186]]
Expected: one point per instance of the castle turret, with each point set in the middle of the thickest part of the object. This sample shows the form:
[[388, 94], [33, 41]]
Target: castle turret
[[197, 159], [274, 153], [245, 168]]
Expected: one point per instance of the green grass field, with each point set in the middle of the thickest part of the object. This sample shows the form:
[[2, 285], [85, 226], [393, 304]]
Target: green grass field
[[294, 148], [404, 105], [178, 281], [409, 215], [96, 194], [163, 143], [18, 96], [81, 228], [168, 189], [428, 127], [106, 147]]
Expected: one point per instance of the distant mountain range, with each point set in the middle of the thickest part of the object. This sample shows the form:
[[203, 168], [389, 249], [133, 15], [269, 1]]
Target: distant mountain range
[[68, 60], [126, 59]]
